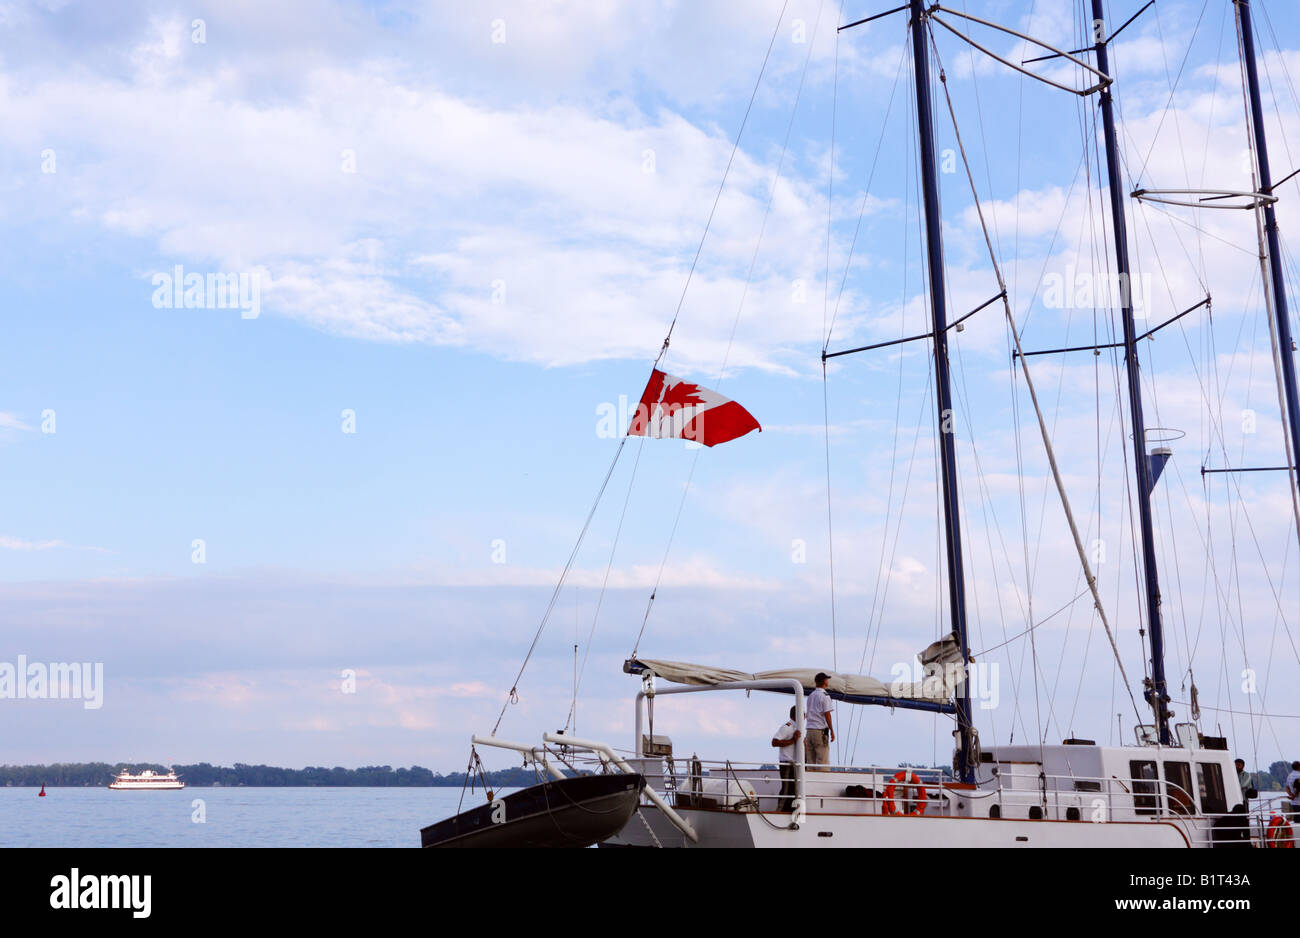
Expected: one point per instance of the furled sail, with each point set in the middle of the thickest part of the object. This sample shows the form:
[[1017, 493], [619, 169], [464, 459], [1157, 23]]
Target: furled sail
[[940, 673]]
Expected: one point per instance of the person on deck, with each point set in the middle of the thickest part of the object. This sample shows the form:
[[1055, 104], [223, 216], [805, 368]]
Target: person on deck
[[1291, 806], [821, 730], [1248, 790], [785, 739]]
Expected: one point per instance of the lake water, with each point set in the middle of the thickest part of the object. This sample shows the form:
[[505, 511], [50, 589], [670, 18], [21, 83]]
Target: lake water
[[231, 817]]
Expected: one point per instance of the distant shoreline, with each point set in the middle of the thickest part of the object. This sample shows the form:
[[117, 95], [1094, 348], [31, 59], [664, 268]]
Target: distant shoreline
[[240, 775], [495, 784]]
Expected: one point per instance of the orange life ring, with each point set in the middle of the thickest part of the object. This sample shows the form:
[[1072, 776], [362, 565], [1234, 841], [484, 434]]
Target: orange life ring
[[908, 780], [1279, 833]]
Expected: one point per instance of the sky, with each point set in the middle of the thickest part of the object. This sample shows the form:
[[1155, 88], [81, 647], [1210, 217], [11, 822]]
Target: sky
[[323, 527]]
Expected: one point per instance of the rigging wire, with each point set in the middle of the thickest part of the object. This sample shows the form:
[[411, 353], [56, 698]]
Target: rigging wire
[[826, 296], [828, 330], [877, 596], [1156, 133], [1047, 443], [830, 528], [749, 276], [862, 209], [604, 584], [735, 147], [513, 695]]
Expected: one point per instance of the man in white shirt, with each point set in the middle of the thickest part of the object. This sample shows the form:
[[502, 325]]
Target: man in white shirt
[[821, 732], [1293, 791], [785, 739]]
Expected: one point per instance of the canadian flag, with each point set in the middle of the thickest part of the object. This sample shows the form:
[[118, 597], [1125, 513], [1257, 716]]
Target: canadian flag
[[671, 407]]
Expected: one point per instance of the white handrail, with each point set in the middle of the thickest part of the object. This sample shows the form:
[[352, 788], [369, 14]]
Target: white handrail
[[603, 749], [779, 684], [537, 755]]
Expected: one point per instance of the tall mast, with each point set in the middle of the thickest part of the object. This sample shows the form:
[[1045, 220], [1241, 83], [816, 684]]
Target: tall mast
[[1278, 286], [947, 451], [1156, 692]]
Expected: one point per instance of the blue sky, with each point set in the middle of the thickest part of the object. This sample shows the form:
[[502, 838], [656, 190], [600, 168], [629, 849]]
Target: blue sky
[[505, 259]]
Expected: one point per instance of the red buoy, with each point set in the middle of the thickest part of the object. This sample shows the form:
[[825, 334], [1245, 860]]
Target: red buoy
[[42, 794]]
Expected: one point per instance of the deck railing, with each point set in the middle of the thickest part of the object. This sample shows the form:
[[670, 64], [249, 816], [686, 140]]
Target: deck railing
[[1076, 798], [862, 789]]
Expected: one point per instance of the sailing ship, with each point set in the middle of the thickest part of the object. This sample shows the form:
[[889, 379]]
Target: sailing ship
[[1174, 786], [148, 780]]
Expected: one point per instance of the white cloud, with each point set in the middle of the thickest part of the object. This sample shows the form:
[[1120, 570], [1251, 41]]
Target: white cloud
[[15, 543], [8, 542], [448, 198], [11, 425]]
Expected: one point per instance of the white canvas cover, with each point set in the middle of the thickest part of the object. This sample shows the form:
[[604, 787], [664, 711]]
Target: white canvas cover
[[940, 669]]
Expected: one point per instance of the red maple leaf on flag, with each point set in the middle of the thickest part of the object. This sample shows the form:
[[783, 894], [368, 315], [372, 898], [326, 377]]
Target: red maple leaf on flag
[[681, 394]]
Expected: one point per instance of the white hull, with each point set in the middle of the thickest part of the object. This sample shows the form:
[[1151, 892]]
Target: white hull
[[771, 830], [146, 781], [1070, 795]]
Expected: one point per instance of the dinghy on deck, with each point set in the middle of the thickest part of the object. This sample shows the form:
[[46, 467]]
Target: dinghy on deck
[[569, 812]]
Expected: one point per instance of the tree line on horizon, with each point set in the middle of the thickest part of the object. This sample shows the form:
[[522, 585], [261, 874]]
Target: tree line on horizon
[[206, 775]]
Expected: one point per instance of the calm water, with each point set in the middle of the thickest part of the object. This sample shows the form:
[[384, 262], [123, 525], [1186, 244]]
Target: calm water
[[233, 817]]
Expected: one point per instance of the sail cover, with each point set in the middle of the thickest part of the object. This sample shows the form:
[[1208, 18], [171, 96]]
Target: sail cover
[[940, 675]]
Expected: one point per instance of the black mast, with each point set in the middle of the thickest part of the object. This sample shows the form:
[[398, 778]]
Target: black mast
[[1281, 313], [965, 768], [1156, 691]]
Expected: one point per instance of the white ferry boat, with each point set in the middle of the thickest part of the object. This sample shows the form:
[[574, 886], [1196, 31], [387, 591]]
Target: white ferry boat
[[146, 780]]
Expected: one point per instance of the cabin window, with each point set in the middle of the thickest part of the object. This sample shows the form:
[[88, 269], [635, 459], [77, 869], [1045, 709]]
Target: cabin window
[[1213, 798], [1144, 786], [1178, 788]]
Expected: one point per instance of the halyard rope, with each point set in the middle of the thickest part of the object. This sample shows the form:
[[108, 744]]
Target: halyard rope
[[1033, 396]]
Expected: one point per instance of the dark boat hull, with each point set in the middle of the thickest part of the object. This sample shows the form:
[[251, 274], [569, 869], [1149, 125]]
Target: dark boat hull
[[570, 812]]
